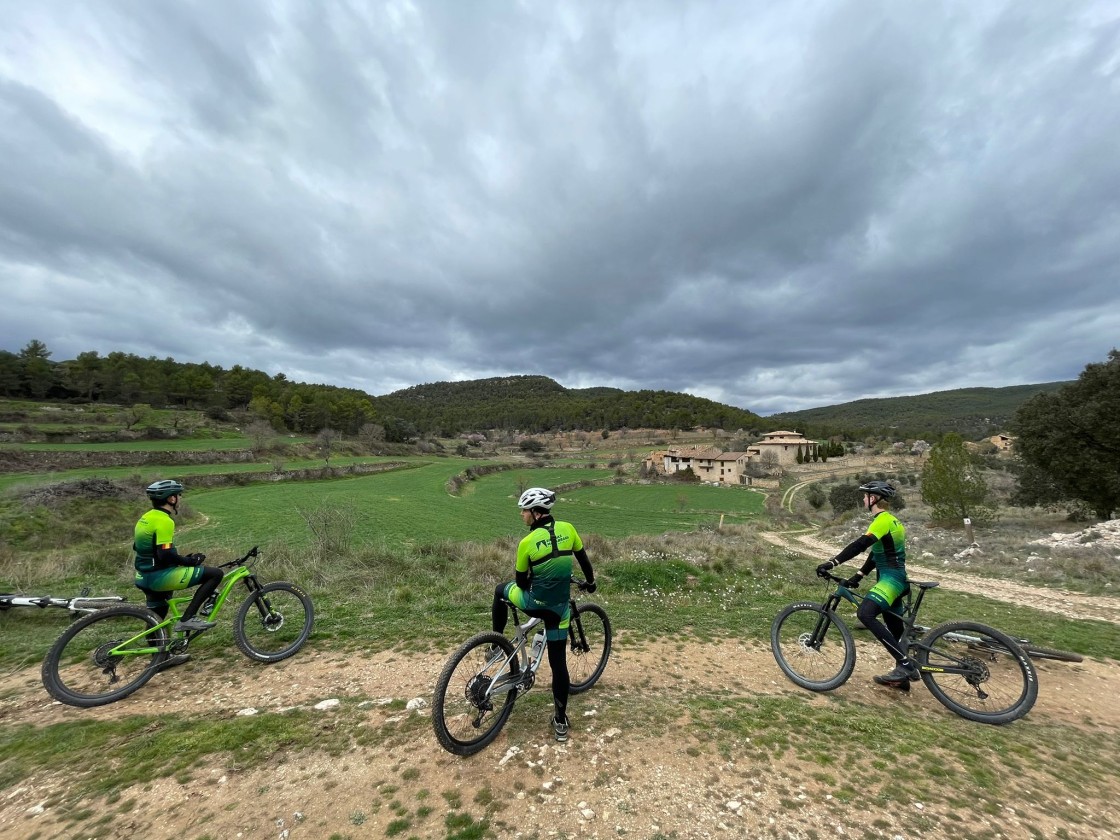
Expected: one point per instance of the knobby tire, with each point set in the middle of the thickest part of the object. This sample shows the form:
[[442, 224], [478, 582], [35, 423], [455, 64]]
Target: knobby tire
[[79, 669], [996, 689], [588, 650], [462, 722], [274, 622], [813, 647]]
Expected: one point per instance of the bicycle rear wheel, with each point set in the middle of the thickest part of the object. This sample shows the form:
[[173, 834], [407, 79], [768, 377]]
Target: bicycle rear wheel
[[466, 716], [104, 656], [273, 622], [976, 683], [813, 647], [589, 646]]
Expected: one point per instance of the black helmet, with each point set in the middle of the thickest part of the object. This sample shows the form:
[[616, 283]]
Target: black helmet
[[162, 490], [882, 489]]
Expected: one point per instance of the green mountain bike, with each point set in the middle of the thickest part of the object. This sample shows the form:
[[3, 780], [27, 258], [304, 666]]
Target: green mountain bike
[[109, 654]]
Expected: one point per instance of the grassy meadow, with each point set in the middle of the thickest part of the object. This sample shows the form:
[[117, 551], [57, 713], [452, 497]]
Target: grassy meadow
[[394, 561]]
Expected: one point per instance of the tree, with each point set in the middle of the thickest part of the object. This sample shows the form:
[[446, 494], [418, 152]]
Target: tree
[[36, 369], [326, 440], [1069, 441], [952, 484]]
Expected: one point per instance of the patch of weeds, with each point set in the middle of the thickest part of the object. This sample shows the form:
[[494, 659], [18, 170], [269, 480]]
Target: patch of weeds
[[423, 812], [411, 774], [462, 826], [453, 798], [397, 826], [358, 817], [484, 797]]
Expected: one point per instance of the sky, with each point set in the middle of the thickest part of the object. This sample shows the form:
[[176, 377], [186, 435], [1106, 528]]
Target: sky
[[773, 205]]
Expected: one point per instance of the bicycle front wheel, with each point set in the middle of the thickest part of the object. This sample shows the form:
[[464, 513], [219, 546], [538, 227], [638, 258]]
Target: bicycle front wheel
[[971, 678], [273, 622], [104, 656], [589, 645], [467, 714], [813, 647]]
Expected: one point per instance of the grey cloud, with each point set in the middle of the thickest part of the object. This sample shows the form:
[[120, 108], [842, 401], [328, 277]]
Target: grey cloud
[[725, 199]]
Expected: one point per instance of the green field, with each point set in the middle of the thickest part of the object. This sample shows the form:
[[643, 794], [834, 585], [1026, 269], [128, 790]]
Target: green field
[[413, 507]]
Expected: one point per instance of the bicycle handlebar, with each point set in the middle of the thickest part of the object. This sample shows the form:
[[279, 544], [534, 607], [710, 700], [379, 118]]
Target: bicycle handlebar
[[240, 561]]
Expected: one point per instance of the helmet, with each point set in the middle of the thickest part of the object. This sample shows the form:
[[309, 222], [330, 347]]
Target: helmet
[[162, 490], [537, 497], [882, 489]]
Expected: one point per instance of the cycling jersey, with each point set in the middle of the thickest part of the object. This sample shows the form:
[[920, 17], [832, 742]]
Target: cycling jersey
[[154, 536], [889, 550], [546, 555]]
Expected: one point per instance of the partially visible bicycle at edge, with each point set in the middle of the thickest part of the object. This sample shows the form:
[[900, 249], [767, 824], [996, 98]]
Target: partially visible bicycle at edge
[[478, 686], [978, 672], [110, 653]]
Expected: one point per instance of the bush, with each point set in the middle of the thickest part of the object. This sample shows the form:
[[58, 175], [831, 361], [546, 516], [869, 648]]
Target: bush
[[845, 497], [530, 445], [815, 497]]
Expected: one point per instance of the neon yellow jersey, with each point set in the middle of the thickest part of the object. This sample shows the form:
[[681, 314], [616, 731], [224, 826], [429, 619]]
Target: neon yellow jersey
[[889, 550], [549, 561], [154, 528]]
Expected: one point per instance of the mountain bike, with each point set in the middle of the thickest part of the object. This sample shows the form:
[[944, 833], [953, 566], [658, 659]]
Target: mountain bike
[[960, 662], [481, 681], [82, 603], [109, 654]]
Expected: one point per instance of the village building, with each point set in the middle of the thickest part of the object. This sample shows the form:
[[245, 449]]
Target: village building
[[708, 463]]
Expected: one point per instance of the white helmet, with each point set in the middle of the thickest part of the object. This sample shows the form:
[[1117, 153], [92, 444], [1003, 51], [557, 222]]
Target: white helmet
[[537, 497]]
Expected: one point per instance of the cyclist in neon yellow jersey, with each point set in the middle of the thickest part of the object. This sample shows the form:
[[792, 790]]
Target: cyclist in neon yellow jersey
[[886, 537], [161, 569], [542, 588]]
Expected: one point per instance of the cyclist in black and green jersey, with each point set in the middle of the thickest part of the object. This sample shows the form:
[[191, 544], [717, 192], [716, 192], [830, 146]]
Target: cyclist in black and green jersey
[[886, 537], [161, 569], [541, 589]]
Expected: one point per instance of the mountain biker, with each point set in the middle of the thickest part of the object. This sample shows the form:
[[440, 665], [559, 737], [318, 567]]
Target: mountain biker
[[161, 569], [886, 537], [541, 589]]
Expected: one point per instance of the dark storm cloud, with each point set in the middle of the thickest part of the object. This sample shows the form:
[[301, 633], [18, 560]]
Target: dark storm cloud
[[774, 206]]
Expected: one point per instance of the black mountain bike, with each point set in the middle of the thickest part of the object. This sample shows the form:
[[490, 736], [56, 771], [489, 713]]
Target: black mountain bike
[[112, 652], [975, 670], [481, 681]]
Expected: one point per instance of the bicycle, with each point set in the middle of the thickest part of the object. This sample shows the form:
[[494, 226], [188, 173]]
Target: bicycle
[[478, 686], [82, 603], [109, 654], [814, 648], [1032, 650]]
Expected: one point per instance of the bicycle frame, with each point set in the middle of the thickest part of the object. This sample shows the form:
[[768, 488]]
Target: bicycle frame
[[908, 613], [175, 607], [528, 662]]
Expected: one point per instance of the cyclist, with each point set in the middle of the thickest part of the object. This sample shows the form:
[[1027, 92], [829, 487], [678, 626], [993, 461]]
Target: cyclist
[[161, 569], [886, 537], [541, 589]]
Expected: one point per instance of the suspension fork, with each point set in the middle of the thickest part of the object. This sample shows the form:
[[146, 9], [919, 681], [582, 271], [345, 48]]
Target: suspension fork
[[576, 635]]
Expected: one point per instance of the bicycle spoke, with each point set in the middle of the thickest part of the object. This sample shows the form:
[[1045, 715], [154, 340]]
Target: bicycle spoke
[[102, 658], [470, 706], [811, 648], [988, 686]]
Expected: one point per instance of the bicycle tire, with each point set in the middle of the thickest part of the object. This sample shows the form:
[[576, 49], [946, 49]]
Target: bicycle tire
[[1035, 651], [271, 625], [462, 722], [80, 668], [997, 690], [588, 651], [803, 643]]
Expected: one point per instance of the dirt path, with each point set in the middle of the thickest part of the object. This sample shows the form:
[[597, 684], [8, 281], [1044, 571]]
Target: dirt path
[[1071, 604], [608, 781]]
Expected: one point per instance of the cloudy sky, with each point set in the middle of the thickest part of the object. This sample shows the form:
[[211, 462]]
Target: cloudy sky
[[774, 205]]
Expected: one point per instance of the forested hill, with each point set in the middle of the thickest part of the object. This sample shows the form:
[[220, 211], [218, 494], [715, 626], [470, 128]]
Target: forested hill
[[537, 403], [972, 413]]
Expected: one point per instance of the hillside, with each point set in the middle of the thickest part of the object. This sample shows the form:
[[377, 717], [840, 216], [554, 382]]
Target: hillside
[[537, 404], [972, 413]]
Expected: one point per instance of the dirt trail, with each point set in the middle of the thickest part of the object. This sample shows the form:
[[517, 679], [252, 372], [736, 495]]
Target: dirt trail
[[606, 782], [1071, 604]]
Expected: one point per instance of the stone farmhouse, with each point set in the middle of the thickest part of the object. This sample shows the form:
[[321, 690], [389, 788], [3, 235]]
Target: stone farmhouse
[[708, 463]]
